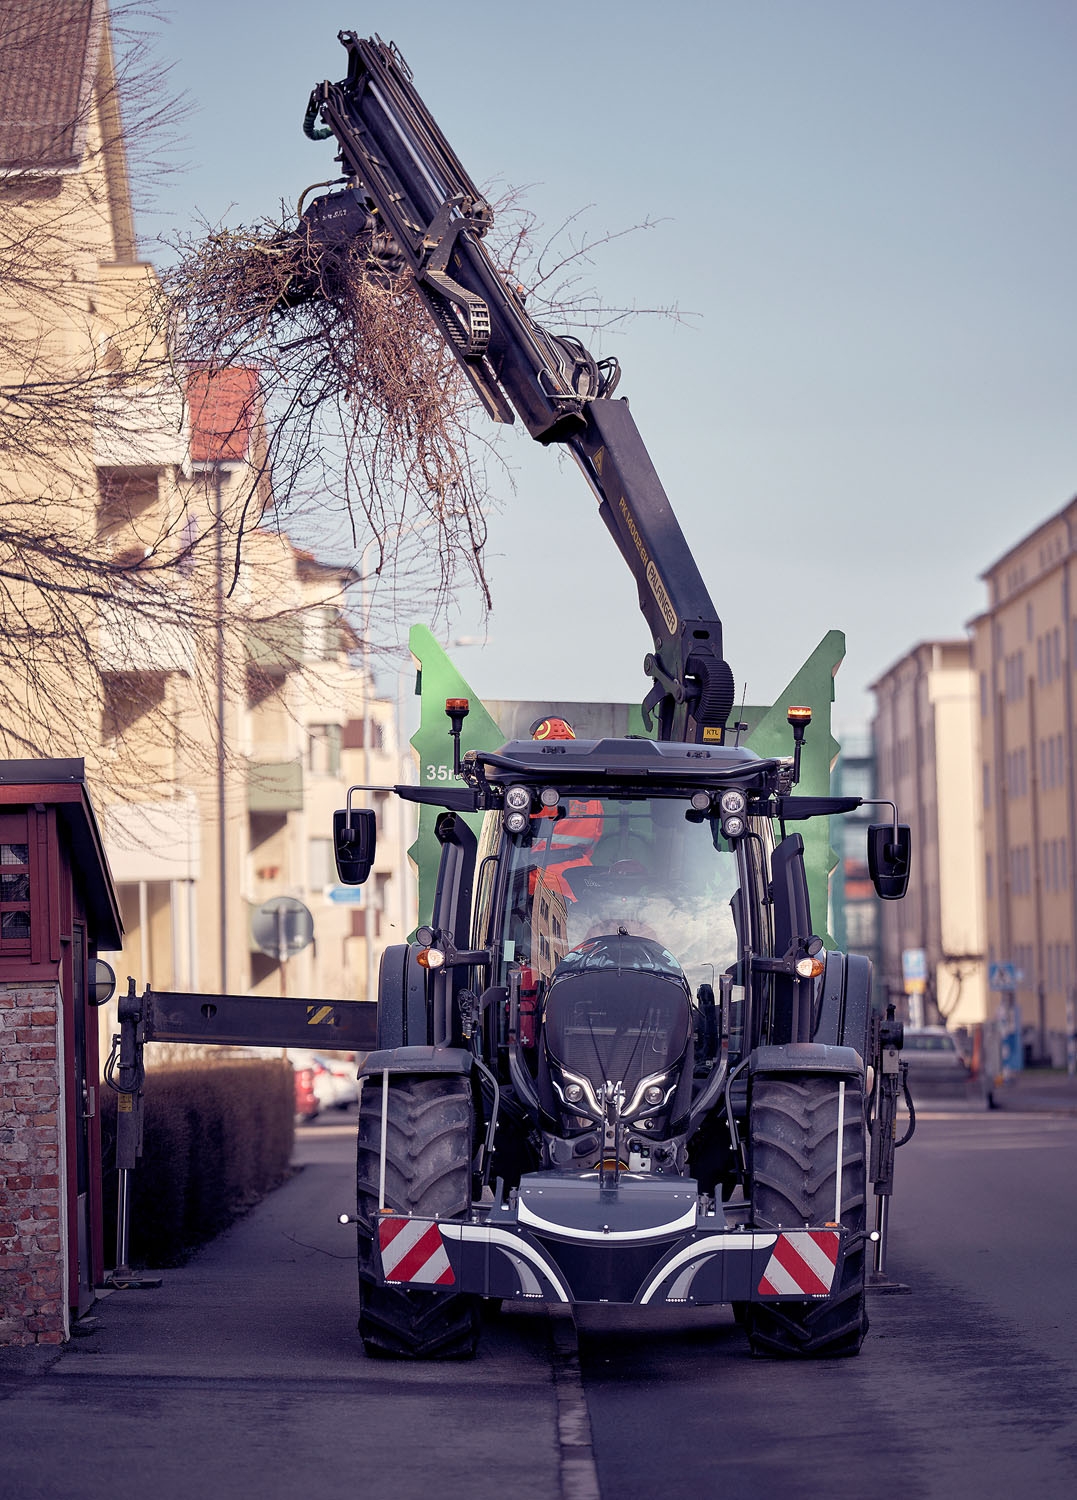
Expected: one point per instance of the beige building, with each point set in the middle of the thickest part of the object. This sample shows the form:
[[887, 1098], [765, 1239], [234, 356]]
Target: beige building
[[203, 667], [924, 734], [1024, 656]]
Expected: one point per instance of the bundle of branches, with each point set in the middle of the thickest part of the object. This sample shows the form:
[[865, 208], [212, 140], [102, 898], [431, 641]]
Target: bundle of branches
[[364, 412]]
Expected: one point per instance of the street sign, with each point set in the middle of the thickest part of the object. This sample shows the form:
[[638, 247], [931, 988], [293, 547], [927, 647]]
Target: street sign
[[1003, 977], [346, 895], [914, 970], [282, 927]]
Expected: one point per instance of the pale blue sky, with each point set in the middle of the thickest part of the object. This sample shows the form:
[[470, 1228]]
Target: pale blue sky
[[871, 208]]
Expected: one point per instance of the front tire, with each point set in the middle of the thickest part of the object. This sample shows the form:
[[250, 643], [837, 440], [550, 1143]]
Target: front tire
[[793, 1131], [428, 1172]]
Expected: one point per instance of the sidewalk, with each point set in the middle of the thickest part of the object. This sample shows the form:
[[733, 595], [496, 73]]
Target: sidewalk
[[1038, 1091], [243, 1375]]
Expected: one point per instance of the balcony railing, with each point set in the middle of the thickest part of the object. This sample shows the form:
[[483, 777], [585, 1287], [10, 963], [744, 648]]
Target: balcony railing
[[275, 646], [274, 786], [132, 639], [139, 427], [154, 840]]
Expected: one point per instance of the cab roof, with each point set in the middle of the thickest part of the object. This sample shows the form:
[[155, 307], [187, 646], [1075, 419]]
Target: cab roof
[[628, 759]]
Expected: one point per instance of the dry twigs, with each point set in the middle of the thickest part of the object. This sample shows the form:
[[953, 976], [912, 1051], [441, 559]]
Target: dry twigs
[[366, 416]]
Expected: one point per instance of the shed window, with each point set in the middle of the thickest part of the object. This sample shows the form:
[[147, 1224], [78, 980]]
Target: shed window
[[14, 897]]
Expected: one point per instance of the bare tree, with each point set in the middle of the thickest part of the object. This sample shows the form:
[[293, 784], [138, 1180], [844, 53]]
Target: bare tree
[[109, 548], [359, 428]]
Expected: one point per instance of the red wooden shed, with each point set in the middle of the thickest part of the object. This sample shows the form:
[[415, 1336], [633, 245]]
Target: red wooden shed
[[58, 909]]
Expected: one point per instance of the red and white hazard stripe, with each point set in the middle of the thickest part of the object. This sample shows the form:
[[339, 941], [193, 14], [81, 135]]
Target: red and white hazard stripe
[[412, 1250], [801, 1264]]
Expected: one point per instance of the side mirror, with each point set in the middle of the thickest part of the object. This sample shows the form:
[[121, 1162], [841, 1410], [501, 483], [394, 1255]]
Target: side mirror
[[889, 859], [355, 838]]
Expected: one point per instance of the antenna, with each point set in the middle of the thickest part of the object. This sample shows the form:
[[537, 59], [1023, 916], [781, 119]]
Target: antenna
[[740, 726]]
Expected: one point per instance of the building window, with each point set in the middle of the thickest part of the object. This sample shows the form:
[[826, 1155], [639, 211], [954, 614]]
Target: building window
[[323, 749], [355, 734], [15, 895], [989, 877], [321, 865], [987, 786], [860, 924]]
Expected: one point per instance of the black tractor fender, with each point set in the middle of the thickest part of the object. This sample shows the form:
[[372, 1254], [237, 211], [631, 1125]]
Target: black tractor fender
[[843, 1007], [806, 1057], [420, 1062], [403, 1013]]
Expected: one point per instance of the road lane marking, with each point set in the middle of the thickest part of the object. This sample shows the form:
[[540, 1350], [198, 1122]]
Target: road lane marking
[[579, 1476]]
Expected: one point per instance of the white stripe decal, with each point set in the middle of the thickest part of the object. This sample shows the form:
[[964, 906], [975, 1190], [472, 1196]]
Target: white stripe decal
[[809, 1249], [412, 1252], [700, 1248], [802, 1264], [841, 1147], [687, 1220], [529, 1282], [482, 1234], [777, 1279], [679, 1290]]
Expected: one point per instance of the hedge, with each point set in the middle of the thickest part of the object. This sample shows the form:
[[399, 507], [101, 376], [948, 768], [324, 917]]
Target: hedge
[[217, 1137]]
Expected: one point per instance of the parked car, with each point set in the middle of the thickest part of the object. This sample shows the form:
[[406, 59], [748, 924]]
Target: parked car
[[936, 1063], [335, 1079], [344, 1072], [307, 1106]]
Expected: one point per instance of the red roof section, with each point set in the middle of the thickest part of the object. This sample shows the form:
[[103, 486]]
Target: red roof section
[[224, 406]]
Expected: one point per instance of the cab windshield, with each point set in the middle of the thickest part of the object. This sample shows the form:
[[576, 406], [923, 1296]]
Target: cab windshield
[[596, 866]]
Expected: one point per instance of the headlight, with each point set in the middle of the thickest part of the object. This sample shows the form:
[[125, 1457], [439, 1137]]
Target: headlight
[[516, 822], [518, 799], [654, 1094], [732, 805], [573, 1093]]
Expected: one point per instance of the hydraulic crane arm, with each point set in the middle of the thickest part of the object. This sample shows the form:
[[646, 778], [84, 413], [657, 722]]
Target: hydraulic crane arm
[[404, 178]]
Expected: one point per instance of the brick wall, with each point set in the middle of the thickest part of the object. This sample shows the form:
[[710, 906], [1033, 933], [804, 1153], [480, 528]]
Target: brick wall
[[33, 1258]]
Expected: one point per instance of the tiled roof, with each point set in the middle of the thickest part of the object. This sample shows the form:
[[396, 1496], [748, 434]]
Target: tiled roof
[[47, 57], [223, 406]]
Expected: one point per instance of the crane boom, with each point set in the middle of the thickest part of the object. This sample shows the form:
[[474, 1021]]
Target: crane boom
[[405, 177]]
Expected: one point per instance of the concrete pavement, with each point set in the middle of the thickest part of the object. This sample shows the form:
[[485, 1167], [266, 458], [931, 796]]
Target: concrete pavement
[[244, 1375], [1037, 1091]]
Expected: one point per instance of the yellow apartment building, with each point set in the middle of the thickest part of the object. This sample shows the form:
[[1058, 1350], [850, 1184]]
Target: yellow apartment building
[[207, 673], [1024, 657], [925, 748]]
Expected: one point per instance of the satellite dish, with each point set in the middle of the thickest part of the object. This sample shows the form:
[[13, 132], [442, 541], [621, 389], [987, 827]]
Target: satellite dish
[[281, 928]]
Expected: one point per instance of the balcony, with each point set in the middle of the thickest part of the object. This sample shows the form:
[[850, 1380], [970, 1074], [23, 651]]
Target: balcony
[[130, 639], [275, 647], [139, 428], [274, 786], [154, 840]]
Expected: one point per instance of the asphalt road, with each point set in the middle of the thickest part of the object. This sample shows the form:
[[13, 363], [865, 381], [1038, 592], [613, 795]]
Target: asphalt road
[[966, 1385], [243, 1374]]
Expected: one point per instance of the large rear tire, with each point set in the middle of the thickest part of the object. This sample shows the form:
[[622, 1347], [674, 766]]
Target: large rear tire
[[793, 1131], [427, 1171]]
